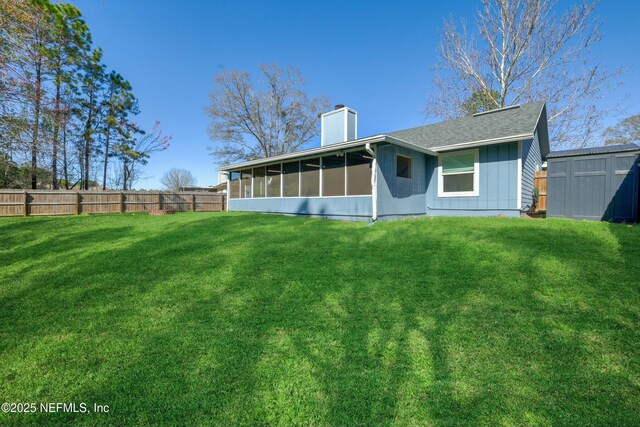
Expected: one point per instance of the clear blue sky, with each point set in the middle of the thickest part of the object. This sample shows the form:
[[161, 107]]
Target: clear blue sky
[[373, 56]]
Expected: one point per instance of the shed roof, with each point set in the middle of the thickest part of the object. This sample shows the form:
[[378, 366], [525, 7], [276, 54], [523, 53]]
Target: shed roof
[[595, 150]]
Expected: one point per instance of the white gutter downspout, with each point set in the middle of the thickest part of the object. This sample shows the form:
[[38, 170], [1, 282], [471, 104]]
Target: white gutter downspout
[[374, 181], [227, 174]]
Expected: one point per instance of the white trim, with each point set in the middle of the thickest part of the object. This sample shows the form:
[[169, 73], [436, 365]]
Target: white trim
[[305, 197], [299, 178], [496, 110], [228, 189], [480, 143], [355, 131], [320, 174], [519, 196], [252, 186], [410, 166], [374, 181], [345, 173], [312, 152], [402, 143], [476, 175], [345, 128]]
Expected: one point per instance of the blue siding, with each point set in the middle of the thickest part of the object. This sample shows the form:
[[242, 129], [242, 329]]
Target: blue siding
[[348, 208], [400, 196], [531, 161], [418, 195], [498, 193]]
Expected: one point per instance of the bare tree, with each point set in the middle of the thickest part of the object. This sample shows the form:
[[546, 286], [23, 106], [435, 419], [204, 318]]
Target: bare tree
[[175, 179], [247, 123], [524, 50], [135, 152], [625, 132]]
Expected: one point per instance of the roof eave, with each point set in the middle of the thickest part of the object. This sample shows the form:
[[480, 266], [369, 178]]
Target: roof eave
[[480, 143], [304, 153], [410, 145], [328, 148]]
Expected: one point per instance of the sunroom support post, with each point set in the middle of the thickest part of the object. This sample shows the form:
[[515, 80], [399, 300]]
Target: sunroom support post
[[374, 181]]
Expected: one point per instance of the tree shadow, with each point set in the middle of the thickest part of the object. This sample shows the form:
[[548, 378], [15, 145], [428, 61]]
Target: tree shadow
[[260, 319]]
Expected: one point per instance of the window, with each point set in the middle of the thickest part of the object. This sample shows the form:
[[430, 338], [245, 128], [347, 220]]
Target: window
[[403, 166], [458, 174], [359, 173], [333, 175], [273, 180], [291, 179], [310, 178], [234, 185], [245, 183], [259, 182]]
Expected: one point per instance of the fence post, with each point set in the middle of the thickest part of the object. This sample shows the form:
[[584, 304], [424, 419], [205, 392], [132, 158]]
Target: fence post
[[121, 202], [77, 203], [26, 201], [159, 201], [193, 202]]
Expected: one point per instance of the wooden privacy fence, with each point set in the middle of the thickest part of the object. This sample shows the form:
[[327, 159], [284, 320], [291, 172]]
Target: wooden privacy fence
[[540, 183], [61, 202]]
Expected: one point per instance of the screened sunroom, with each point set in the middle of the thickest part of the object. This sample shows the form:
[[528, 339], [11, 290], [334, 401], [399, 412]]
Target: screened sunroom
[[334, 175]]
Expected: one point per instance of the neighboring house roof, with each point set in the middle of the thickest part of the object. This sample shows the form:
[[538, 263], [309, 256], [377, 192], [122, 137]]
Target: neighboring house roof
[[210, 189], [515, 123], [501, 125], [595, 150], [220, 187]]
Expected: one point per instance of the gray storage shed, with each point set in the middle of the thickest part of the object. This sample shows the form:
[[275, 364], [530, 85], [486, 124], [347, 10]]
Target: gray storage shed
[[598, 183]]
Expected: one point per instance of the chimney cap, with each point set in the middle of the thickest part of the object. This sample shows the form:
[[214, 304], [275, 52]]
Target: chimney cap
[[339, 106]]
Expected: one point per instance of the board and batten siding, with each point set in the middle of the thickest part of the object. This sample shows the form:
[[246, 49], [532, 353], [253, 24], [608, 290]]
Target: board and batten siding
[[498, 192], [398, 196], [343, 207], [531, 162], [594, 187]]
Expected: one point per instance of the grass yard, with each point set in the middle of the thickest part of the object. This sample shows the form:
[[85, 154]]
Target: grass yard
[[227, 319]]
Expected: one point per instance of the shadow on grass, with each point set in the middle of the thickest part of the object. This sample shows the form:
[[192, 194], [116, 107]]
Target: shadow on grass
[[256, 319]]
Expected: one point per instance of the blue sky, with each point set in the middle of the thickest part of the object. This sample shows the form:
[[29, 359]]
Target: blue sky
[[373, 56]]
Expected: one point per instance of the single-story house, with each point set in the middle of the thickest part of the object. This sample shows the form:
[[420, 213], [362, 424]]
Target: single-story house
[[481, 165]]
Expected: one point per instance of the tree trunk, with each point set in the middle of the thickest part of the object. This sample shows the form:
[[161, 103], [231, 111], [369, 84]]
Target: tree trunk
[[36, 125], [56, 131], [65, 168], [87, 143], [124, 177], [106, 158]]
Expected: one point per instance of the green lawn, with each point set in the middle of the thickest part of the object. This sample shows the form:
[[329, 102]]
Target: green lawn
[[229, 319]]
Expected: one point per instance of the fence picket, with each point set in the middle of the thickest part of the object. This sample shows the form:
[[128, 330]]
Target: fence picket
[[64, 202]]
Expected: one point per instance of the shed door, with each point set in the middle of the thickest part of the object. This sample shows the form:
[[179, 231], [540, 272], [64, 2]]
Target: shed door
[[589, 194], [595, 187]]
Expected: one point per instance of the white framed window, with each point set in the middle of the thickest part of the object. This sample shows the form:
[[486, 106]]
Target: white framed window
[[459, 174]]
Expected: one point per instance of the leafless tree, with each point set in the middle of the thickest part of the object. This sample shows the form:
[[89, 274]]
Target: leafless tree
[[249, 123], [521, 51], [175, 179], [625, 132]]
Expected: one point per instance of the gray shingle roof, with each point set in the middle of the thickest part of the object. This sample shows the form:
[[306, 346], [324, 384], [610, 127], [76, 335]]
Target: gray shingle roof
[[497, 124], [595, 150], [502, 125]]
